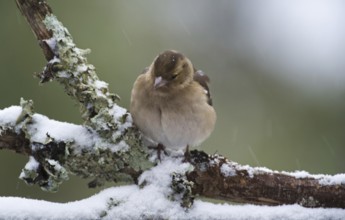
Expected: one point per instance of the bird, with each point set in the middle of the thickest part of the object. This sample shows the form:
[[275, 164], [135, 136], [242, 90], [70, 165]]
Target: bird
[[171, 103]]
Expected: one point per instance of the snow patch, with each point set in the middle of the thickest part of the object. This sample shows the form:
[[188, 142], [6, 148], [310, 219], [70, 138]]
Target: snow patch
[[160, 174], [82, 68], [101, 84], [60, 131], [333, 180], [131, 202], [8, 116], [118, 113], [51, 42], [227, 170], [32, 164], [338, 179], [55, 164]]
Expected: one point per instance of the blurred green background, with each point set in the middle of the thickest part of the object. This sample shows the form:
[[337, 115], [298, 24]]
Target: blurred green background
[[276, 69]]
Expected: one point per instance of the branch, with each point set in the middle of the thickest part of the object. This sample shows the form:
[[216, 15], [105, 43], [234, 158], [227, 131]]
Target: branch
[[212, 176], [10, 140], [109, 148], [68, 65], [218, 178], [57, 149], [35, 12]]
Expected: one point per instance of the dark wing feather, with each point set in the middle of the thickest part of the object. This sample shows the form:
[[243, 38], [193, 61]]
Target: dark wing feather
[[203, 80]]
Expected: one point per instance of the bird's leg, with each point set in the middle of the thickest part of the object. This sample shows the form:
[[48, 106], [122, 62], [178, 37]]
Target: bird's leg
[[187, 157], [160, 147]]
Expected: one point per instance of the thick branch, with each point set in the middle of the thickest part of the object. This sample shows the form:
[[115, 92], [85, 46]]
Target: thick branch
[[216, 177], [213, 176]]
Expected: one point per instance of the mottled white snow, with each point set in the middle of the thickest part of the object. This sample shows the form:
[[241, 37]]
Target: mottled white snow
[[42, 128], [152, 202], [229, 169]]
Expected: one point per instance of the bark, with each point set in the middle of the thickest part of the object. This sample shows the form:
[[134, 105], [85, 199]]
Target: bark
[[35, 12], [213, 176], [259, 186], [10, 140]]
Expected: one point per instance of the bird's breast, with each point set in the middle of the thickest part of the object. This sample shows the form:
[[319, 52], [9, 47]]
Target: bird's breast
[[187, 124], [173, 120]]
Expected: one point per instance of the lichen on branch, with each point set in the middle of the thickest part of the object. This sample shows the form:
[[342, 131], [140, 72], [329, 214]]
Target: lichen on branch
[[70, 68], [57, 149], [118, 147]]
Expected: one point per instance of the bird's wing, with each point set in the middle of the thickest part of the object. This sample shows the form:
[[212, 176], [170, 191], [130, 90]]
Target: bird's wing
[[203, 80]]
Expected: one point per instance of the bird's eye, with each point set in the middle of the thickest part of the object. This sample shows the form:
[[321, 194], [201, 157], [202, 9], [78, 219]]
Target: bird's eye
[[174, 76]]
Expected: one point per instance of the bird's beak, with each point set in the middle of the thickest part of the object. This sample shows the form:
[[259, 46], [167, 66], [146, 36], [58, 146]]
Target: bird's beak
[[159, 82]]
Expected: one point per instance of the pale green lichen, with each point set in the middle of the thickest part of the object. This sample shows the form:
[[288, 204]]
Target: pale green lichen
[[182, 188], [80, 80], [25, 116], [30, 170], [56, 159], [117, 155], [57, 175], [30, 174]]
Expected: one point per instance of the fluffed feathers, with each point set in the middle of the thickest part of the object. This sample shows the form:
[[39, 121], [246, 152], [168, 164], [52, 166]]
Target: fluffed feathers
[[171, 103]]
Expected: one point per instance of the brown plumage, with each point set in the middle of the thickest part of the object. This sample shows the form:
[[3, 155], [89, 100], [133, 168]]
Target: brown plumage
[[171, 102]]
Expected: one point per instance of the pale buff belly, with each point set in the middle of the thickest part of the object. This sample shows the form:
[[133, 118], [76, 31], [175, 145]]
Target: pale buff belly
[[177, 128]]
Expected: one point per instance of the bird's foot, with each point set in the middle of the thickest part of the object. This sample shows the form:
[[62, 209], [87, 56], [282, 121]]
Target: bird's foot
[[159, 148], [187, 157]]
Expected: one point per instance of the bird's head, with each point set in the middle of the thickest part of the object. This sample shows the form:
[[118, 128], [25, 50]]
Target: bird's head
[[171, 69]]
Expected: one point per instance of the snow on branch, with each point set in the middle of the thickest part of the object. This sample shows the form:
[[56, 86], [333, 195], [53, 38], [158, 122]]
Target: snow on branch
[[57, 149], [153, 201]]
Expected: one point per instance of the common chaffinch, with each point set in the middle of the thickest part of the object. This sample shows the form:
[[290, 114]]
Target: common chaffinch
[[171, 102]]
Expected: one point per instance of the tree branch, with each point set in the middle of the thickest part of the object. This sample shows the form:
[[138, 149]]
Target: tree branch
[[218, 178], [79, 151], [114, 151], [213, 176], [35, 12], [10, 140], [68, 65]]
